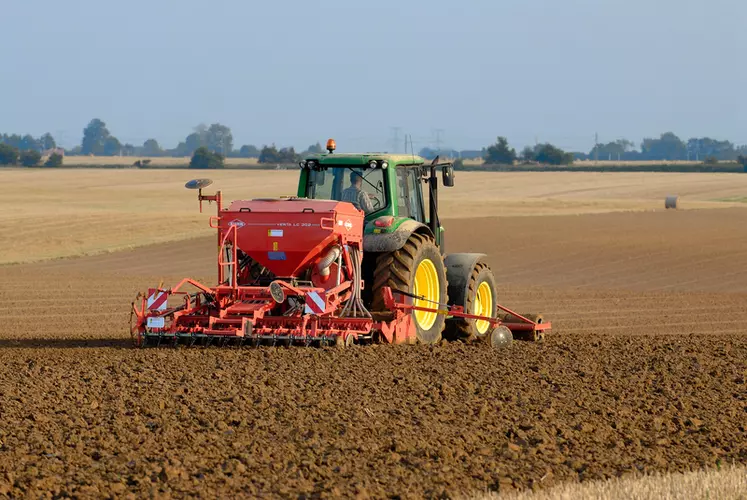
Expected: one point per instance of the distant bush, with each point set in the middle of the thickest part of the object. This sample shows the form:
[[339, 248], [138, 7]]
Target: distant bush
[[711, 160], [271, 154], [553, 155], [8, 155], [500, 153], [204, 158], [30, 158], [54, 160]]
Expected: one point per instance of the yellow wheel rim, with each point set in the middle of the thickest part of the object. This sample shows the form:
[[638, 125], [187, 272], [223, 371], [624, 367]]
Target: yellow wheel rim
[[483, 307], [426, 285]]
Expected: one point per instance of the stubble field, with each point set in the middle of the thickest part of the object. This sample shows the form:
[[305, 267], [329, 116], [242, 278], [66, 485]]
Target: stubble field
[[69, 212], [645, 370]]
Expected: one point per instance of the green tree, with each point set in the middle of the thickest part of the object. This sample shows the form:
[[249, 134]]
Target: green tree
[[269, 154], [13, 140], [94, 138], [204, 158], [128, 150], [612, 150], [248, 151], [500, 153], [151, 148], [112, 146], [8, 154], [179, 150], [47, 142], [315, 149], [528, 154], [288, 155], [193, 141], [54, 160], [30, 158], [698, 148], [551, 155], [28, 143], [219, 139], [667, 147]]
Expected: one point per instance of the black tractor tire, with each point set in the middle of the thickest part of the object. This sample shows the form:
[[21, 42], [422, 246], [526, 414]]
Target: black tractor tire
[[397, 271], [466, 329]]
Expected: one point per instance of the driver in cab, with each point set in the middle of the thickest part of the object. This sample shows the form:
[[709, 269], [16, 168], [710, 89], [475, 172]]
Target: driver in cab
[[355, 195]]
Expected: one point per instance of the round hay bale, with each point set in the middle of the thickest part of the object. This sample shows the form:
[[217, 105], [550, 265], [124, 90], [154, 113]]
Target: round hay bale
[[671, 202]]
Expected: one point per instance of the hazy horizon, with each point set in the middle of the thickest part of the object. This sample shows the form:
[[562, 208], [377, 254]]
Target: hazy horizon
[[294, 73]]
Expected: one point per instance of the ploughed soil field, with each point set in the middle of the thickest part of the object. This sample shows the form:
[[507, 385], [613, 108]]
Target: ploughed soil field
[[644, 371]]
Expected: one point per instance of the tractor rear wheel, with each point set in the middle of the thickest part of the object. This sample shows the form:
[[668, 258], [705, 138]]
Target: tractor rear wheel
[[480, 301], [416, 268]]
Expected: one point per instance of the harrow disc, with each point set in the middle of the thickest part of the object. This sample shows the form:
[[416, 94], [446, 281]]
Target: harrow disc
[[256, 341], [500, 337], [198, 183], [342, 344]]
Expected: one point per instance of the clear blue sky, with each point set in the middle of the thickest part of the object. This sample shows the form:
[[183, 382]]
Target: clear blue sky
[[297, 72]]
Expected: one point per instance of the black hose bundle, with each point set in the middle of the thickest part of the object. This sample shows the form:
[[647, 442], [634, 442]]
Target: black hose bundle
[[354, 306]]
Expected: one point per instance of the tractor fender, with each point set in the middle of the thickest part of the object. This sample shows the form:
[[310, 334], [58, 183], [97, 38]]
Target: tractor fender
[[389, 242], [459, 267]]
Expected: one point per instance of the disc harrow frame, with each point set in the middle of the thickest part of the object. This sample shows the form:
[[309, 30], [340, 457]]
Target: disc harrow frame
[[259, 326]]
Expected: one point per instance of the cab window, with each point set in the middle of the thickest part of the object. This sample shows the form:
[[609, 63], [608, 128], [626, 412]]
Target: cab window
[[409, 201], [363, 187]]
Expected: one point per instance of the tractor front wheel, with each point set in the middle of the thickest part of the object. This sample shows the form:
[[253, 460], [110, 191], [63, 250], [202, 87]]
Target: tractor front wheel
[[416, 268]]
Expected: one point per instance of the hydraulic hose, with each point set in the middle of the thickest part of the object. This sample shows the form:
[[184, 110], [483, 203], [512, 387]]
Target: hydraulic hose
[[327, 260]]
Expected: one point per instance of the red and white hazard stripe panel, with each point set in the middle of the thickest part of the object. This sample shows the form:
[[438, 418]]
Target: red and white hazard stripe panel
[[315, 303], [157, 301]]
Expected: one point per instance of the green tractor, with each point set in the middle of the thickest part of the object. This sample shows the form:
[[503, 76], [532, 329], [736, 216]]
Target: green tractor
[[403, 246]]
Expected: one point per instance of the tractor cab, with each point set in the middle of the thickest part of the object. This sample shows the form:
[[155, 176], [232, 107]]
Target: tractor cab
[[363, 187], [388, 188]]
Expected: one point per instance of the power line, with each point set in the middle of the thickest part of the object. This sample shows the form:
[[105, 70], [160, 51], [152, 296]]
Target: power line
[[438, 139], [395, 138]]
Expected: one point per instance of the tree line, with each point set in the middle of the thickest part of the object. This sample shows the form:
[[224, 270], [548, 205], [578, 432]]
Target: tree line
[[215, 139], [214, 143], [666, 147]]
